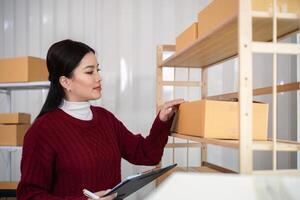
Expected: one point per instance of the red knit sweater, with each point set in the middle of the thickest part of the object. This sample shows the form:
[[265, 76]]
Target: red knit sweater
[[63, 155]]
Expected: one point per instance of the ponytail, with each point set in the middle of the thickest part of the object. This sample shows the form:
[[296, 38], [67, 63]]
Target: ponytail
[[54, 98]]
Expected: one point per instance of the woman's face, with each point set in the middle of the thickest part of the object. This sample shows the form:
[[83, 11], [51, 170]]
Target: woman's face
[[85, 83]]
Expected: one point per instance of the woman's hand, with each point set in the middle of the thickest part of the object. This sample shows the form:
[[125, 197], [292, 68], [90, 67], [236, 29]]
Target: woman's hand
[[102, 193], [168, 109]]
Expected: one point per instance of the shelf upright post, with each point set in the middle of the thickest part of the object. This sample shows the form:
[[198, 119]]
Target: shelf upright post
[[159, 58], [9, 100], [173, 96], [204, 88], [298, 102], [274, 91], [245, 86], [188, 141]]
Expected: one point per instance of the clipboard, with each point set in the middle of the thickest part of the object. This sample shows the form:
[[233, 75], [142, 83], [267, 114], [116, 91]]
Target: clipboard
[[133, 183]]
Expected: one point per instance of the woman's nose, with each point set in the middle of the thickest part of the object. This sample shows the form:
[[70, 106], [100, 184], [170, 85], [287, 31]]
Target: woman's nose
[[98, 77]]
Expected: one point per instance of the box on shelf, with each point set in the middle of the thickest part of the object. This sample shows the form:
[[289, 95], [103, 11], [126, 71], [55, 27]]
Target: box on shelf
[[8, 185], [219, 12], [216, 14], [14, 118], [284, 6], [218, 119], [12, 135], [187, 37], [23, 69]]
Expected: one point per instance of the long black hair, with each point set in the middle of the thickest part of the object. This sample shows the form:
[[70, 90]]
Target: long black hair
[[62, 58]]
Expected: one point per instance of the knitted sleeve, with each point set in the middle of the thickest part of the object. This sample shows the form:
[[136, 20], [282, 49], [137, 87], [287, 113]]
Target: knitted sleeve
[[143, 151]]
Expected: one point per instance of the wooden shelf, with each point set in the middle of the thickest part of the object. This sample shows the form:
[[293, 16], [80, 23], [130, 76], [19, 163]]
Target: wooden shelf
[[182, 145], [224, 143], [25, 85], [259, 91], [222, 43], [282, 145], [182, 83]]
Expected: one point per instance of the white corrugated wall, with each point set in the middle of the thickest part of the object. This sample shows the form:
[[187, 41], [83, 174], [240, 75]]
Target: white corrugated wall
[[125, 34]]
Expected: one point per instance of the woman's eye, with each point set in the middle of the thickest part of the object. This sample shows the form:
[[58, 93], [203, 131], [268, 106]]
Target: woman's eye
[[98, 70], [91, 72]]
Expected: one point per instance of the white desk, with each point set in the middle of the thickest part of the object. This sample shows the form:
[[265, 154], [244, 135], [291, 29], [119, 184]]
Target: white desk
[[191, 186]]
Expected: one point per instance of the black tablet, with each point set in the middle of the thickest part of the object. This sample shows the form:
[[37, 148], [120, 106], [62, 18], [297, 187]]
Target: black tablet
[[133, 183]]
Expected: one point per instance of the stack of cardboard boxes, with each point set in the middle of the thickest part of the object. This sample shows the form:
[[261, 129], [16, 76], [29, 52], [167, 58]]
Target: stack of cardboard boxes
[[22, 69]]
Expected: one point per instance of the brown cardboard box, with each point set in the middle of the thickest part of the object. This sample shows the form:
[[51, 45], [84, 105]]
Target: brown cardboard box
[[12, 135], [289, 6], [215, 14], [220, 11], [14, 118], [187, 37], [218, 119], [9, 185], [23, 69], [284, 6]]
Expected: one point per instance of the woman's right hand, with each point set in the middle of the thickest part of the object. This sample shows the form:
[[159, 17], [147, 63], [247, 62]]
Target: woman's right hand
[[102, 193]]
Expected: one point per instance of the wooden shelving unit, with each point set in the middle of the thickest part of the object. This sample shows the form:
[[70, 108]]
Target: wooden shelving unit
[[243, 35], [8, 189]]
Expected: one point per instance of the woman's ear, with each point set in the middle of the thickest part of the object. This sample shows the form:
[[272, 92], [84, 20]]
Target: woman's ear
[[65, 83]]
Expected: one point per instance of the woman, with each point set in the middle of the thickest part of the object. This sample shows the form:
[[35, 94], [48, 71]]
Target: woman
[[73, 145]]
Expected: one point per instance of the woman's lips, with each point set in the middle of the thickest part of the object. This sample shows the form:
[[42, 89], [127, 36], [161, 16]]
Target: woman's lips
[[97, 88]]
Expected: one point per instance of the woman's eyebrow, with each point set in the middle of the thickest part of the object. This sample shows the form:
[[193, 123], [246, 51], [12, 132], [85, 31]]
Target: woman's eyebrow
[[89, 66]]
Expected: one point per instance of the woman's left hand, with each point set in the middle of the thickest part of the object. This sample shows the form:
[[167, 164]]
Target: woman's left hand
[[169, 108]]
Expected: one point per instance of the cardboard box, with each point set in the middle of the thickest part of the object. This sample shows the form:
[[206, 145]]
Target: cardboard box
[[187, 37], [284, 6], [218, 119], [23, 69], [9, 185], [289, 6], [12, 135], [216, 14], [14, 118], [220, 11]]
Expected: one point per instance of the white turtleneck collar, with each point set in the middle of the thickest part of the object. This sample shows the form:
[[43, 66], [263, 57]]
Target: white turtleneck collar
[[79, 110]]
